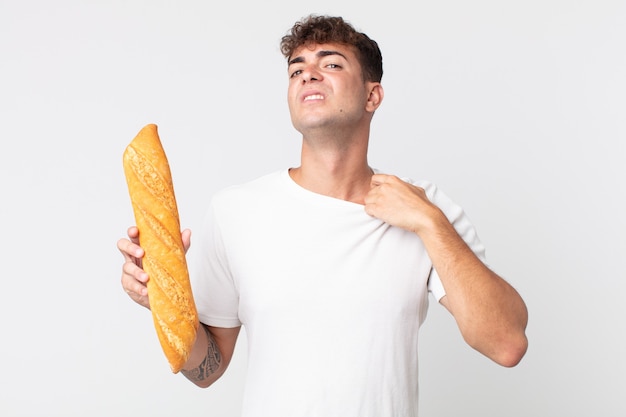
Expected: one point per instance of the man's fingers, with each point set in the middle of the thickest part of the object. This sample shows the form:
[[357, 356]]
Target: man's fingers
[[136, 290], [139, 295], [129, 249], [134, 279], [134, 272], [377, 179], [186, 237], [133, 232]]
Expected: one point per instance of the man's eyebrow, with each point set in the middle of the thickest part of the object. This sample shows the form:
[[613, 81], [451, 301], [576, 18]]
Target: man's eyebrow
[[319, 54], [296, 60]]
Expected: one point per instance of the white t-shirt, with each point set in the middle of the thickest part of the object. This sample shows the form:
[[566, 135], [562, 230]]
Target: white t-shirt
[[331, 298]]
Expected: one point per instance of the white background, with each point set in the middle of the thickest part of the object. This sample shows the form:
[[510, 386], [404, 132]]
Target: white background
[[516, 109]]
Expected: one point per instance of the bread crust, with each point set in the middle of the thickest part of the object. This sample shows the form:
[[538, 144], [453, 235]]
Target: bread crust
[[154, 205]]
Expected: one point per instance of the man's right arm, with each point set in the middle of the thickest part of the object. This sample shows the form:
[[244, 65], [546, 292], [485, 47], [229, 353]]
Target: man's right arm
[[210, 355], [214, 346]]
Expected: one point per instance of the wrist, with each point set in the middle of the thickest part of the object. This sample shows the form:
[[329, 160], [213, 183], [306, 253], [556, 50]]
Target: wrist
[[431, 223]]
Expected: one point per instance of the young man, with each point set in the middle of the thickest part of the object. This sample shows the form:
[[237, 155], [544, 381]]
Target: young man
[[329, 264]]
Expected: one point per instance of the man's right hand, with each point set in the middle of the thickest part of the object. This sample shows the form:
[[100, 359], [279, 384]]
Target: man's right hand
[[134, 278]]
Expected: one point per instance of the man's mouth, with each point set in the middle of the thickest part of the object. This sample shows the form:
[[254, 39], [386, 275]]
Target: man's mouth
[[314, 97]]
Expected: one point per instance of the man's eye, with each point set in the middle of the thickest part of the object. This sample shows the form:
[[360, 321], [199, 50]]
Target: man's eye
[[295, 73]]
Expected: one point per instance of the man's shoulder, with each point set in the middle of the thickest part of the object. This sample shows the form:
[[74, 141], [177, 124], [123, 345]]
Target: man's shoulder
[[251, 189]]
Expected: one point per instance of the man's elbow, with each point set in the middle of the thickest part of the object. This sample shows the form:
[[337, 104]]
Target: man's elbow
[[203, 382], [511, 352], [506, 349]]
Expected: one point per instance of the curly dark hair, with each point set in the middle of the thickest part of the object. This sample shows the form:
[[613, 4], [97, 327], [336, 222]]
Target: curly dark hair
[[326, 29]]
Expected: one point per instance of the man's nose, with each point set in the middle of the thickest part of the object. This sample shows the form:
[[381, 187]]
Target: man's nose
[[310, 74]]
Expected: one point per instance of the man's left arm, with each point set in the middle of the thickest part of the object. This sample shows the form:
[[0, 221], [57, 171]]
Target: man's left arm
[[490, 313]]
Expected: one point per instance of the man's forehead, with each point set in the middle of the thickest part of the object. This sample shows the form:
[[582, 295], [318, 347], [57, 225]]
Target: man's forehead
[[309, 50]]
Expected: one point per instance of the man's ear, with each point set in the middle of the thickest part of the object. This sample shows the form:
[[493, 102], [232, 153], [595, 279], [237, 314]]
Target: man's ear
[[375, 97]]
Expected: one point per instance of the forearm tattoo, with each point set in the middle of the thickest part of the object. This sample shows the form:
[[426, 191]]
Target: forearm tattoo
[[209, 364]]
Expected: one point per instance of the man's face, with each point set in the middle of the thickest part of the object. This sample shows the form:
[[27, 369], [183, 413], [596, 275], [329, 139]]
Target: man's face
[[326, 88]]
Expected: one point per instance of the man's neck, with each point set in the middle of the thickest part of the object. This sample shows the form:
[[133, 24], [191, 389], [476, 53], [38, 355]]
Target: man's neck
[[337, 173]]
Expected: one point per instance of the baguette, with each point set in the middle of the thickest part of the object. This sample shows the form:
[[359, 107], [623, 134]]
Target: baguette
[[156, 214]]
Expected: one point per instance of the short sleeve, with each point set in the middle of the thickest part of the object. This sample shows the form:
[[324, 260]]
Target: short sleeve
[[215, 293], [461, 223]]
